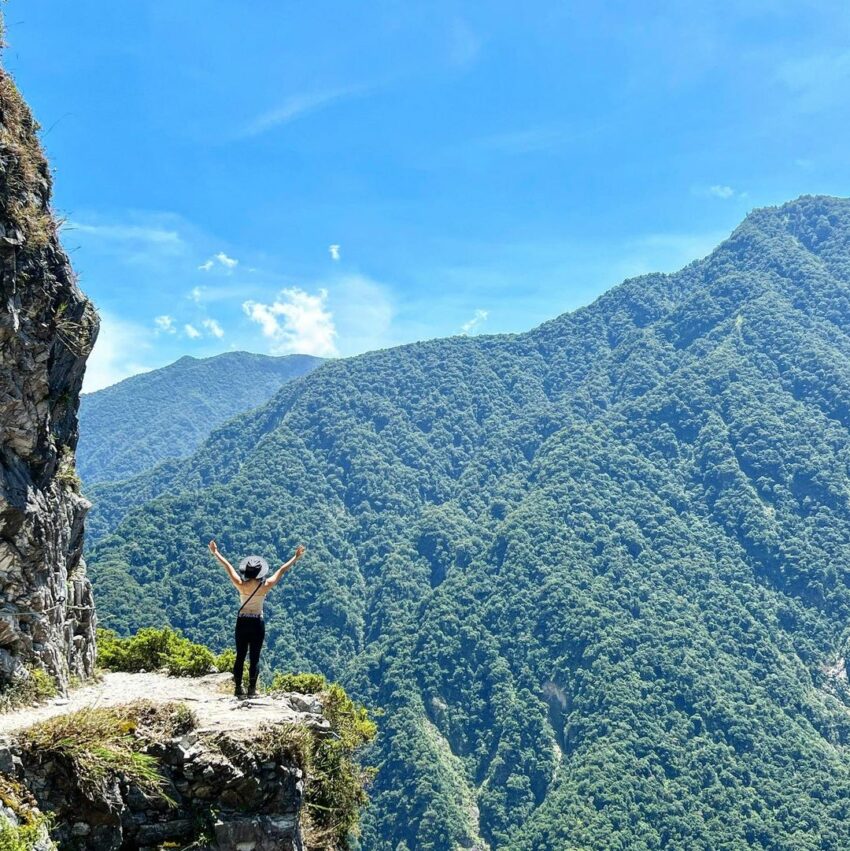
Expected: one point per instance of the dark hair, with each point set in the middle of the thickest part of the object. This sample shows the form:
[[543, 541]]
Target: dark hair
[[252, 569]]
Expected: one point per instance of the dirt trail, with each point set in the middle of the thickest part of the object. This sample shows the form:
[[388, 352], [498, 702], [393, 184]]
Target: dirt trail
[[216, 709]]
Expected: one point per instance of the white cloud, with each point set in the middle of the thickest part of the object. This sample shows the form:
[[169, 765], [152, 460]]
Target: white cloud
[[662, 252], [213, 327], [334, 252], [478, 318], [119, 345], [720, 191], [191, 331], [196, 293], [227, 262], [297, 105], [165, 323], [296, 322]]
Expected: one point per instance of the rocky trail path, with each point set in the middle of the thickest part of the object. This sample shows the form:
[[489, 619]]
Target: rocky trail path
[[216, 709]]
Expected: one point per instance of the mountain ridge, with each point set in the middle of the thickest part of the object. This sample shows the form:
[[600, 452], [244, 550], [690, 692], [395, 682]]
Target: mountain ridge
[[130, 426], [605, 559]]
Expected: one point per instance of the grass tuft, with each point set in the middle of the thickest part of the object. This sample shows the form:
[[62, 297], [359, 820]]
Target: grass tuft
[[26, 175], [99, 743], [36, 686]]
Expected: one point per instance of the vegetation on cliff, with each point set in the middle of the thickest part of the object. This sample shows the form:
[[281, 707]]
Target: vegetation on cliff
[[95, 745], [23, 827]]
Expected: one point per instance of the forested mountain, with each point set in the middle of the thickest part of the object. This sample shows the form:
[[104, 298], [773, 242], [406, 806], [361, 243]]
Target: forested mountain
[[131, 426], [598, 571]]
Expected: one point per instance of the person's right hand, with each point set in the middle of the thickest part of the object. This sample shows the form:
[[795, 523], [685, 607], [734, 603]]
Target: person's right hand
[[213, 547]]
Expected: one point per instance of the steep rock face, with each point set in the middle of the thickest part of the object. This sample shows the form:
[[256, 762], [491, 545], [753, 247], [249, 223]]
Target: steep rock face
[[47, 330]]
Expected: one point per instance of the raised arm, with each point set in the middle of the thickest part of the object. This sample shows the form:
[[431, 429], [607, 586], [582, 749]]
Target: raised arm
[[276, 576], [231, 572]]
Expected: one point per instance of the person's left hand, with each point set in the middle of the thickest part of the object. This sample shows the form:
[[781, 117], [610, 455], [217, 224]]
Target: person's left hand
[[299, 551]]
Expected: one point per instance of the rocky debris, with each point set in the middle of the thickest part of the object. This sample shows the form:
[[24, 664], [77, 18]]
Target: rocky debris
[[47, 331]]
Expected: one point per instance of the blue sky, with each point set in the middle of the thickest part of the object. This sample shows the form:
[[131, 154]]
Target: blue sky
[[479, 167]]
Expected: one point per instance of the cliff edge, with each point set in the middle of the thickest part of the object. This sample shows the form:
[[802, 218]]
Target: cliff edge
[[47, 331], [144, 761]]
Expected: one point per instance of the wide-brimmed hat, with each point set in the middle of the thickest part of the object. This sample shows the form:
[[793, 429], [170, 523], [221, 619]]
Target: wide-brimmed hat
[[253, 561]]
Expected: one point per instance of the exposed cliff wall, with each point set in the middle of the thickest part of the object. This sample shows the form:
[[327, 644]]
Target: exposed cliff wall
[[47, 330]]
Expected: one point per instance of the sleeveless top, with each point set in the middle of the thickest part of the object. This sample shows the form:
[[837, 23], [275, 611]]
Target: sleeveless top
[[255, 606]]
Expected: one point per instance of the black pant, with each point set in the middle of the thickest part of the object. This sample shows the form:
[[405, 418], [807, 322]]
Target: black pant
[[250, 633]]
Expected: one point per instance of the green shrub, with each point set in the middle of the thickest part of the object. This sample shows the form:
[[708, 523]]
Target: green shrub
[[151, 649], [22, 837], [336, 787], [33, 825], [302, 683], [226, 660], [38, 685]]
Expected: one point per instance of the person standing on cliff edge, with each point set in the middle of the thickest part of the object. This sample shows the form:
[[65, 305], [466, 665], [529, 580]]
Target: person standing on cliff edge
[[252, 584]]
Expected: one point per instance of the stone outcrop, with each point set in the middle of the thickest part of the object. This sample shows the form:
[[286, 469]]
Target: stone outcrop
[[47, 331], [231, 788]]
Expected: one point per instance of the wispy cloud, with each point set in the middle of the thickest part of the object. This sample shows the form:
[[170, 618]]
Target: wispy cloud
[[816, 81], [128, 233], [213, 327], [464, 43], [663, 252], [219, 259], [472, 325], [364, 311], [118, 352], [296, 321], [719, 191], [191, 331], [227, 262], [334, 252], [297, 105], [165, 324]]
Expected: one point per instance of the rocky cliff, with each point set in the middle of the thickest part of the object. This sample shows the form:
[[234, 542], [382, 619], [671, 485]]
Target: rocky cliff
[[189, 766], [47, 330]]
